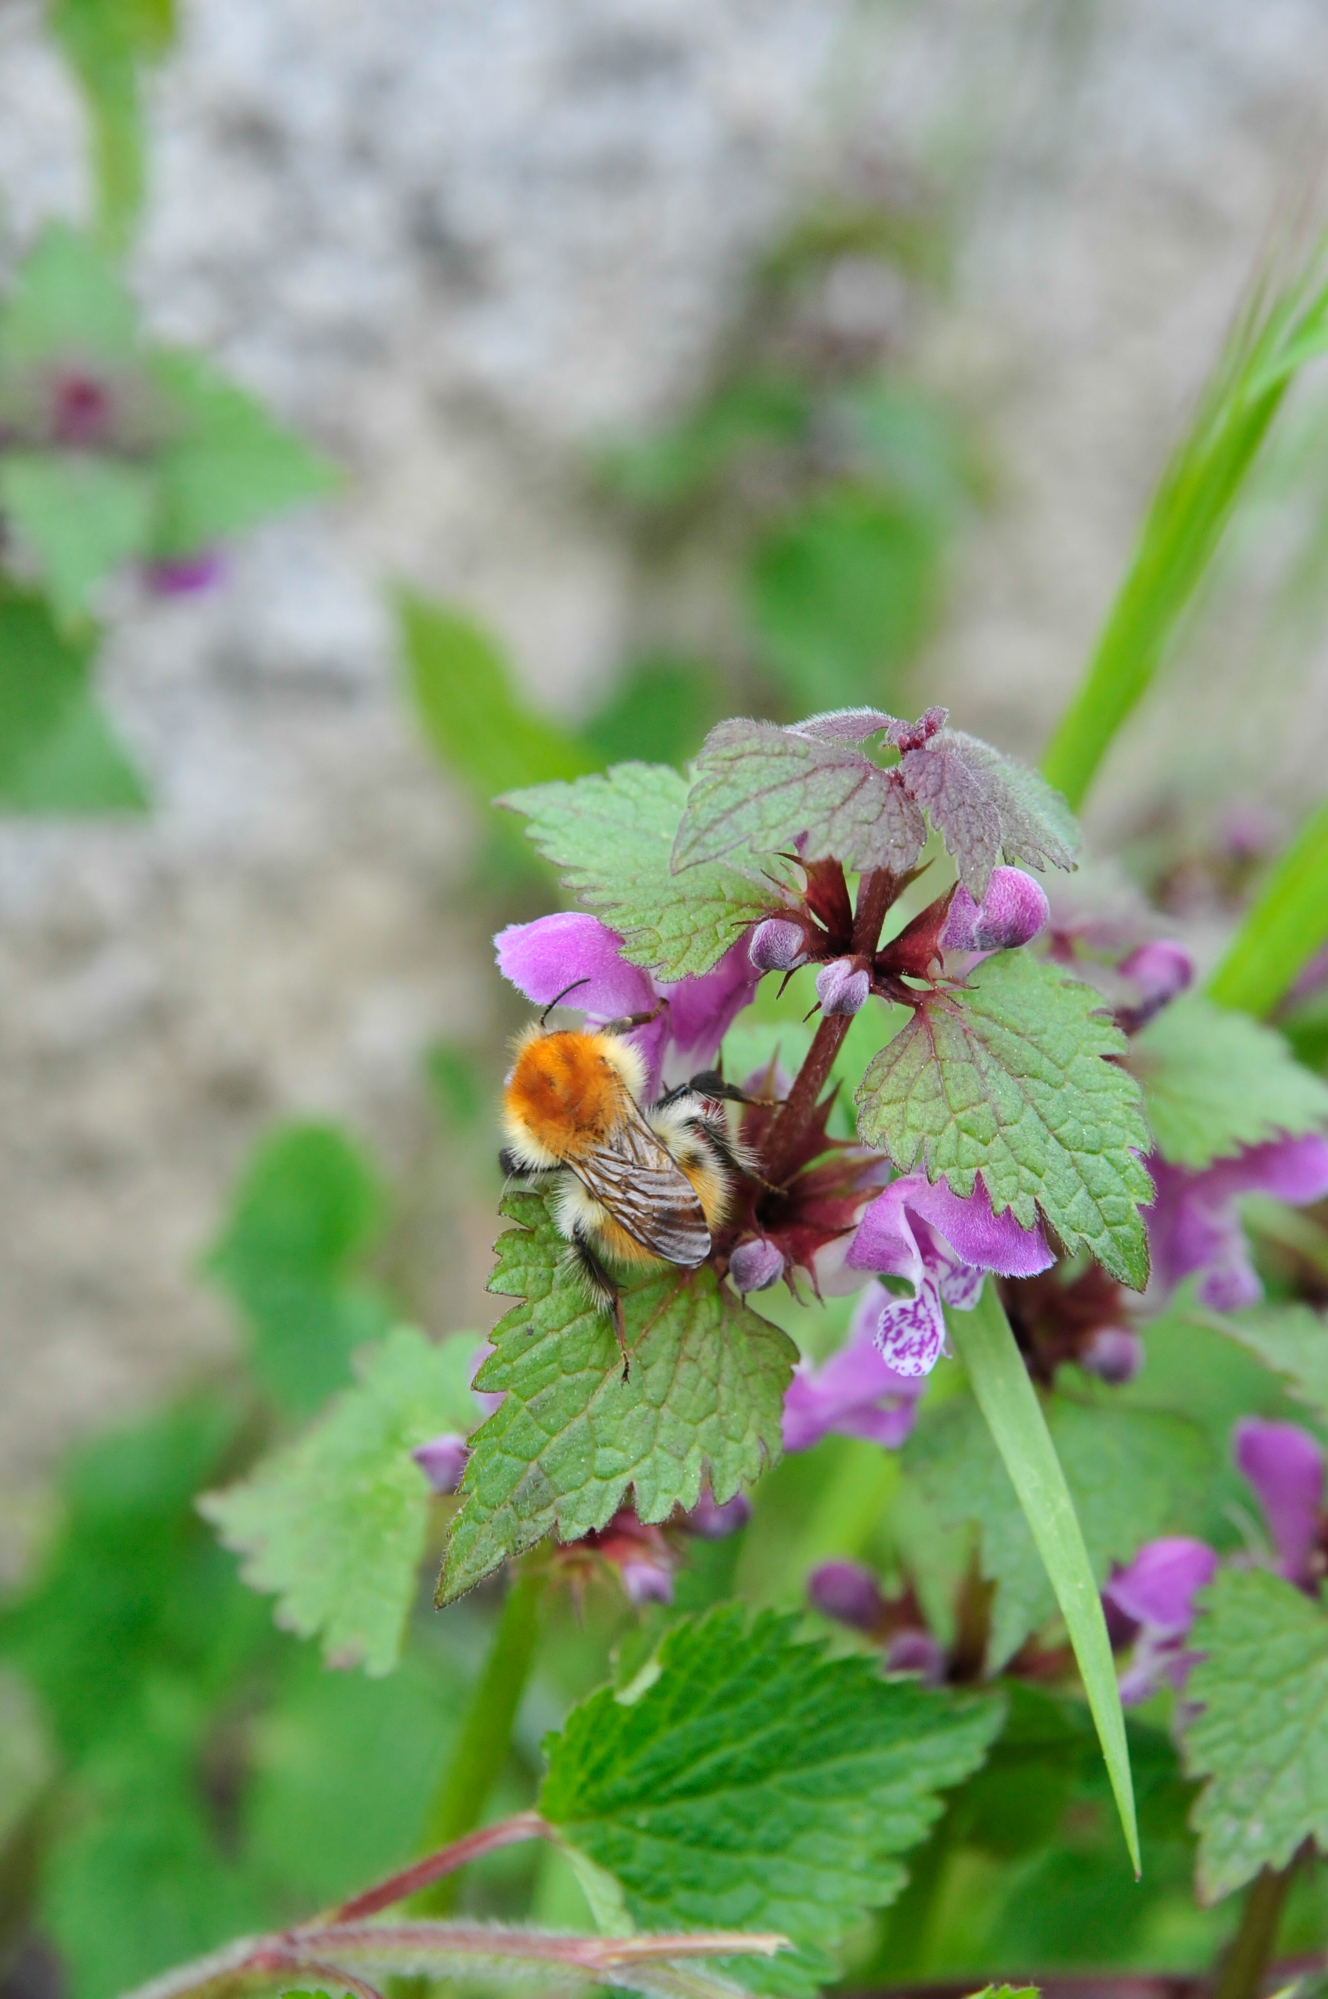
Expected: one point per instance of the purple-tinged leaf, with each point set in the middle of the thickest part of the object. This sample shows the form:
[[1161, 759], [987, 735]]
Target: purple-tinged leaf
[[984, 804], [847, 725]]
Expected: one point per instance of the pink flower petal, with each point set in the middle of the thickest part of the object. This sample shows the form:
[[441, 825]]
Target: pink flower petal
[[1284, 1464], [1158, 1587]]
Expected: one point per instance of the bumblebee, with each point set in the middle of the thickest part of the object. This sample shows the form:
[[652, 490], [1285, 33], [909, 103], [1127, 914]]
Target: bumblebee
[[638, 1186]]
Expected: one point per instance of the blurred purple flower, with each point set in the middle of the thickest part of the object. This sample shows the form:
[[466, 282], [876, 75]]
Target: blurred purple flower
[[185, 575], [544, 958], [944, 1246], [486, 1398], [856, 1393], [1114, 1354], [848, 1592], [712, 1522], [917, 1652], [1284, 1464], [1193, 1224], [443, 1460], [1161, 971], [1014, 910], [1157, 1591], [756, 1264]]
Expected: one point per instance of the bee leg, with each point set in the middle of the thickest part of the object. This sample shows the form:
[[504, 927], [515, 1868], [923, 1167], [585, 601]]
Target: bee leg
[[631, 1020], [604, 1290]]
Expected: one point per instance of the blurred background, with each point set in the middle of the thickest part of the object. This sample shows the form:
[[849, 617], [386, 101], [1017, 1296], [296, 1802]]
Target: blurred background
[[695, 356]]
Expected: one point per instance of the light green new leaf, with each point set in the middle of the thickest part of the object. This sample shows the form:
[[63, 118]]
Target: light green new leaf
[[610, 838], [228, 465], [307, 1209], [1006, 1074], [1291, 1340], [82, 515], [756, 1784], [68, 299], [57, 752], [1214, 1081], [1261, 1733], [1130, 1473], [334, 1523], [704, 1398], [1013, 1414]]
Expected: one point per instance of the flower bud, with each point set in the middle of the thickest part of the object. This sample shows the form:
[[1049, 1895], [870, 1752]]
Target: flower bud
[[1114, 1354], [841, 988], [916, 1652], [442, 1460], [756, 1264], [715, 1523], [646, 1582], [778, 945], [1012, 911], [847, 1592], [1161, 971]]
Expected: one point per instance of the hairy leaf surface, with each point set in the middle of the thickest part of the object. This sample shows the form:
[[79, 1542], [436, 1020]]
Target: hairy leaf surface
[[757, 1784], [1262, 1736], [611, 837], [572, 1439], [1006, 1074], [334, 1523], [1214, 1080], [1132, 1474]]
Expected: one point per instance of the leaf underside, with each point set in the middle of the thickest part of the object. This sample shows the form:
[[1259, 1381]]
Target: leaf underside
[[1262, 1735], [611, 837], [1006, 1075], [758, 1784], [1215, 1080], [704, 1400]]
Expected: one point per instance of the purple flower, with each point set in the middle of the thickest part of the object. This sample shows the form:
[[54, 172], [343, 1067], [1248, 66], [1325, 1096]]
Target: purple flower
[[856, 1393], [1157, 1591], [943, 1245], [1014, 909], [646, 1582], [756, 1264], [544, 958], [848, 1592], [778, 945], [1284, 1464], [711, 1522], [487, 1399], [1162, 971], [917, 1652], [1114, 1354], [1193, 1224], [443, 1460], [842, 986], [185, 575]]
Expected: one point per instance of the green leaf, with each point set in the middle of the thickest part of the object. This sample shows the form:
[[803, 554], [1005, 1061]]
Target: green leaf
[[704, 1397], [228, 466], [334, 1523], [1214, 1081], [1283, 927], [82, 515], [1132, 1474], [106, 43], [1008, 1401], [661, 708], [480, 727], [759, 789], [1291, 1340], [1187, 517], [1006, 1075], [1261, 1737], [758, 1784], [610, 838], [308, 1208], [68, 300], [57, 753]]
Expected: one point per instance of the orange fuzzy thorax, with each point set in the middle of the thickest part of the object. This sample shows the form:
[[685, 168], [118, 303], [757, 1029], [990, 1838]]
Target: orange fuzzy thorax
[[567, 1093]]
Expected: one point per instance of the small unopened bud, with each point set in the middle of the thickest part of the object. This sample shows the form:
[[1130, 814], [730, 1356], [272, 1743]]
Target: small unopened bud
[[756, 1264], [916, 1652], [841, 988], [1161, 970], [778, 945], [1114, 1354], [715, 1523], [442, 1460], [847, 1592], [646, 1582], [1013, 910]]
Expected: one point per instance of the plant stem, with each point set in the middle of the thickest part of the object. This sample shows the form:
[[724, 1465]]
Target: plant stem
[[1252, 1946], [486, 1728], [876, 891], [1283, 927]]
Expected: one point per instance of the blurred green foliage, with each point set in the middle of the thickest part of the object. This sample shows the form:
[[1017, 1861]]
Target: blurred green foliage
[[110, 45]]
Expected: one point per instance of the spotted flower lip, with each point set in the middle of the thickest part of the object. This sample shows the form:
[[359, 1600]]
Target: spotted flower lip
[[1193, 1224], [944, 1244], [1285, 1466], [546, 958], [856, 1393]]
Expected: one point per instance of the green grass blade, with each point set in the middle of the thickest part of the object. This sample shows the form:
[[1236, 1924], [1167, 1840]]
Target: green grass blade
[[1006, 1397], [1187, 517], [1283, 928]]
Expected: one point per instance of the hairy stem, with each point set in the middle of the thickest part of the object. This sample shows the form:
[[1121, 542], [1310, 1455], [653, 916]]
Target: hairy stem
[[486, 1728], [1251, 1948], [876, 891], [411, 1880]]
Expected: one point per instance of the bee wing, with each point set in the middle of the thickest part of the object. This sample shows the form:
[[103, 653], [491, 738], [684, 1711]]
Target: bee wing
[[647, 1193]]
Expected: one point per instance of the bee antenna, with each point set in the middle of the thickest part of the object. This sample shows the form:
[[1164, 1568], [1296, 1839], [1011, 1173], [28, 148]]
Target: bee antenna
[[562, 996]]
